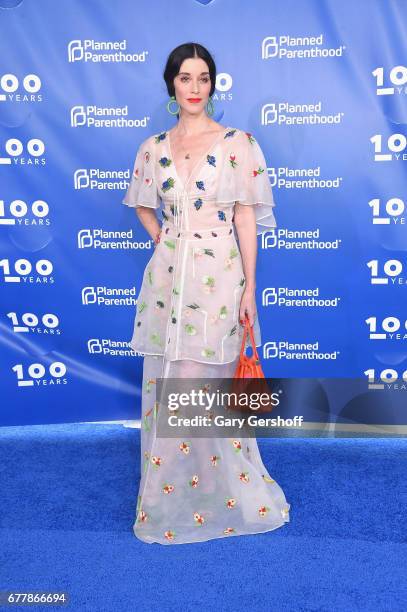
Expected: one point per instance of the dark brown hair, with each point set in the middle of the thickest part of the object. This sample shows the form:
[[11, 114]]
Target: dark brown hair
[[181, 53]]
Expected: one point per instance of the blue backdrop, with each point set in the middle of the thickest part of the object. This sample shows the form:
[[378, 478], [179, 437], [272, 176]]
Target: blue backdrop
[[321, 85]]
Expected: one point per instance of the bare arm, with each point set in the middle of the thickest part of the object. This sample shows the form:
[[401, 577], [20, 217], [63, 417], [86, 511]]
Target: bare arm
[[245, 223], [149, 221]]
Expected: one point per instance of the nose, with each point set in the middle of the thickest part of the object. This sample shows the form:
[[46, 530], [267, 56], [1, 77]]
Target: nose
[[195, 86]]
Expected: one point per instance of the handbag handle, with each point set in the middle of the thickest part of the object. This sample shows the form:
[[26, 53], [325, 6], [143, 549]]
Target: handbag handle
[[248, 330]]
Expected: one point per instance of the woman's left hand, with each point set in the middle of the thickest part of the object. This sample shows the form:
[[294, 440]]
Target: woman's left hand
[[247, 305]]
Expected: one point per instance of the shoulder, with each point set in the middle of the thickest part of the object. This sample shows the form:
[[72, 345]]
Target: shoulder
[[241, 142], [148, 146], [241, 136], [232, 132], [149, 142]]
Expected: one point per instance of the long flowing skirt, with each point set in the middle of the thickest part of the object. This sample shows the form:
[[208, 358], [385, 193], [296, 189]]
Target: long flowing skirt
[[206, 488]]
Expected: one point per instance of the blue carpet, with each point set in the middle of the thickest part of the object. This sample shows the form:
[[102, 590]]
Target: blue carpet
[[68, 498]]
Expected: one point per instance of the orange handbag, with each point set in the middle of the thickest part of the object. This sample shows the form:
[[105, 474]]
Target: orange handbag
[[249, 376]]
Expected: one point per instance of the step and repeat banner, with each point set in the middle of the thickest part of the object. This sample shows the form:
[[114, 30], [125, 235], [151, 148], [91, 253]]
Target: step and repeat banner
[[321, 85]]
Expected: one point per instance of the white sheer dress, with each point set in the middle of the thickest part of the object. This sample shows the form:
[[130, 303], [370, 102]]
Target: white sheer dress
[[187, 326]]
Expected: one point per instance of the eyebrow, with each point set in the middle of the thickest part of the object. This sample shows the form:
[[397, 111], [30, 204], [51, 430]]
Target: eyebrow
[[190, 73]]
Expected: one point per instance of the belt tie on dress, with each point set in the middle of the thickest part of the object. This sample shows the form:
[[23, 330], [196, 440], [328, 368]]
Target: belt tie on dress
[[181, 226], [180, 203]]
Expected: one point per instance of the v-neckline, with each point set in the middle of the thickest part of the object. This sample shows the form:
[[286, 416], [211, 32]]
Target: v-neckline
[[200, 161]]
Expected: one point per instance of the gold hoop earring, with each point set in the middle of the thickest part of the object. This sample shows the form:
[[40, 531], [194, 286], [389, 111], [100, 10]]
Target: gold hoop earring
[[171, 101]]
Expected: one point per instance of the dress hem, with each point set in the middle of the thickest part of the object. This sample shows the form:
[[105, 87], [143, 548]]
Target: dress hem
[[213, 537]]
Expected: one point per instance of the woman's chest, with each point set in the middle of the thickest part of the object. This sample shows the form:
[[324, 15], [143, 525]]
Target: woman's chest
[[198, 175], [186, 154]]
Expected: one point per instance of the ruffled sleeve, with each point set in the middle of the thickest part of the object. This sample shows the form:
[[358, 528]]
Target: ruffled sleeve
[[253, 186], [142, 190], [243, 178]]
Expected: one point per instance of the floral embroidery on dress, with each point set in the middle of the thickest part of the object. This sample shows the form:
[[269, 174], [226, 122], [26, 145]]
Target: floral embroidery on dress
[[190, 329], [211, 159], [214, 460], [198, 252], [168, 488], [198, 203], [221, 215], [142, 516], [250, 137], [156, 338], [170, 244], [185, 448], [244, 476], [223, 312], [168, 184], [230, 502], [156, 461], [232, 160], [153, 412], [199, 519], [160, 137], [233, 253], [165, 162], [209, 283], [229, 530], [200, 185], [231, 133], [169, 535], [194, 481], [263, 510], [236, 445], [258, 171]]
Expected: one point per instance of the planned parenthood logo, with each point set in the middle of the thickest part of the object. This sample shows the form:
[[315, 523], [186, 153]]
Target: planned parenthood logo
[[303, 351], [105, 117], [100, 180], [291, 240], [298, 47], [284, 113], [102, 52], [104, 240]]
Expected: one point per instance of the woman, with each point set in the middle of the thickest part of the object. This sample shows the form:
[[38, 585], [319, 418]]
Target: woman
[[197, 288]]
